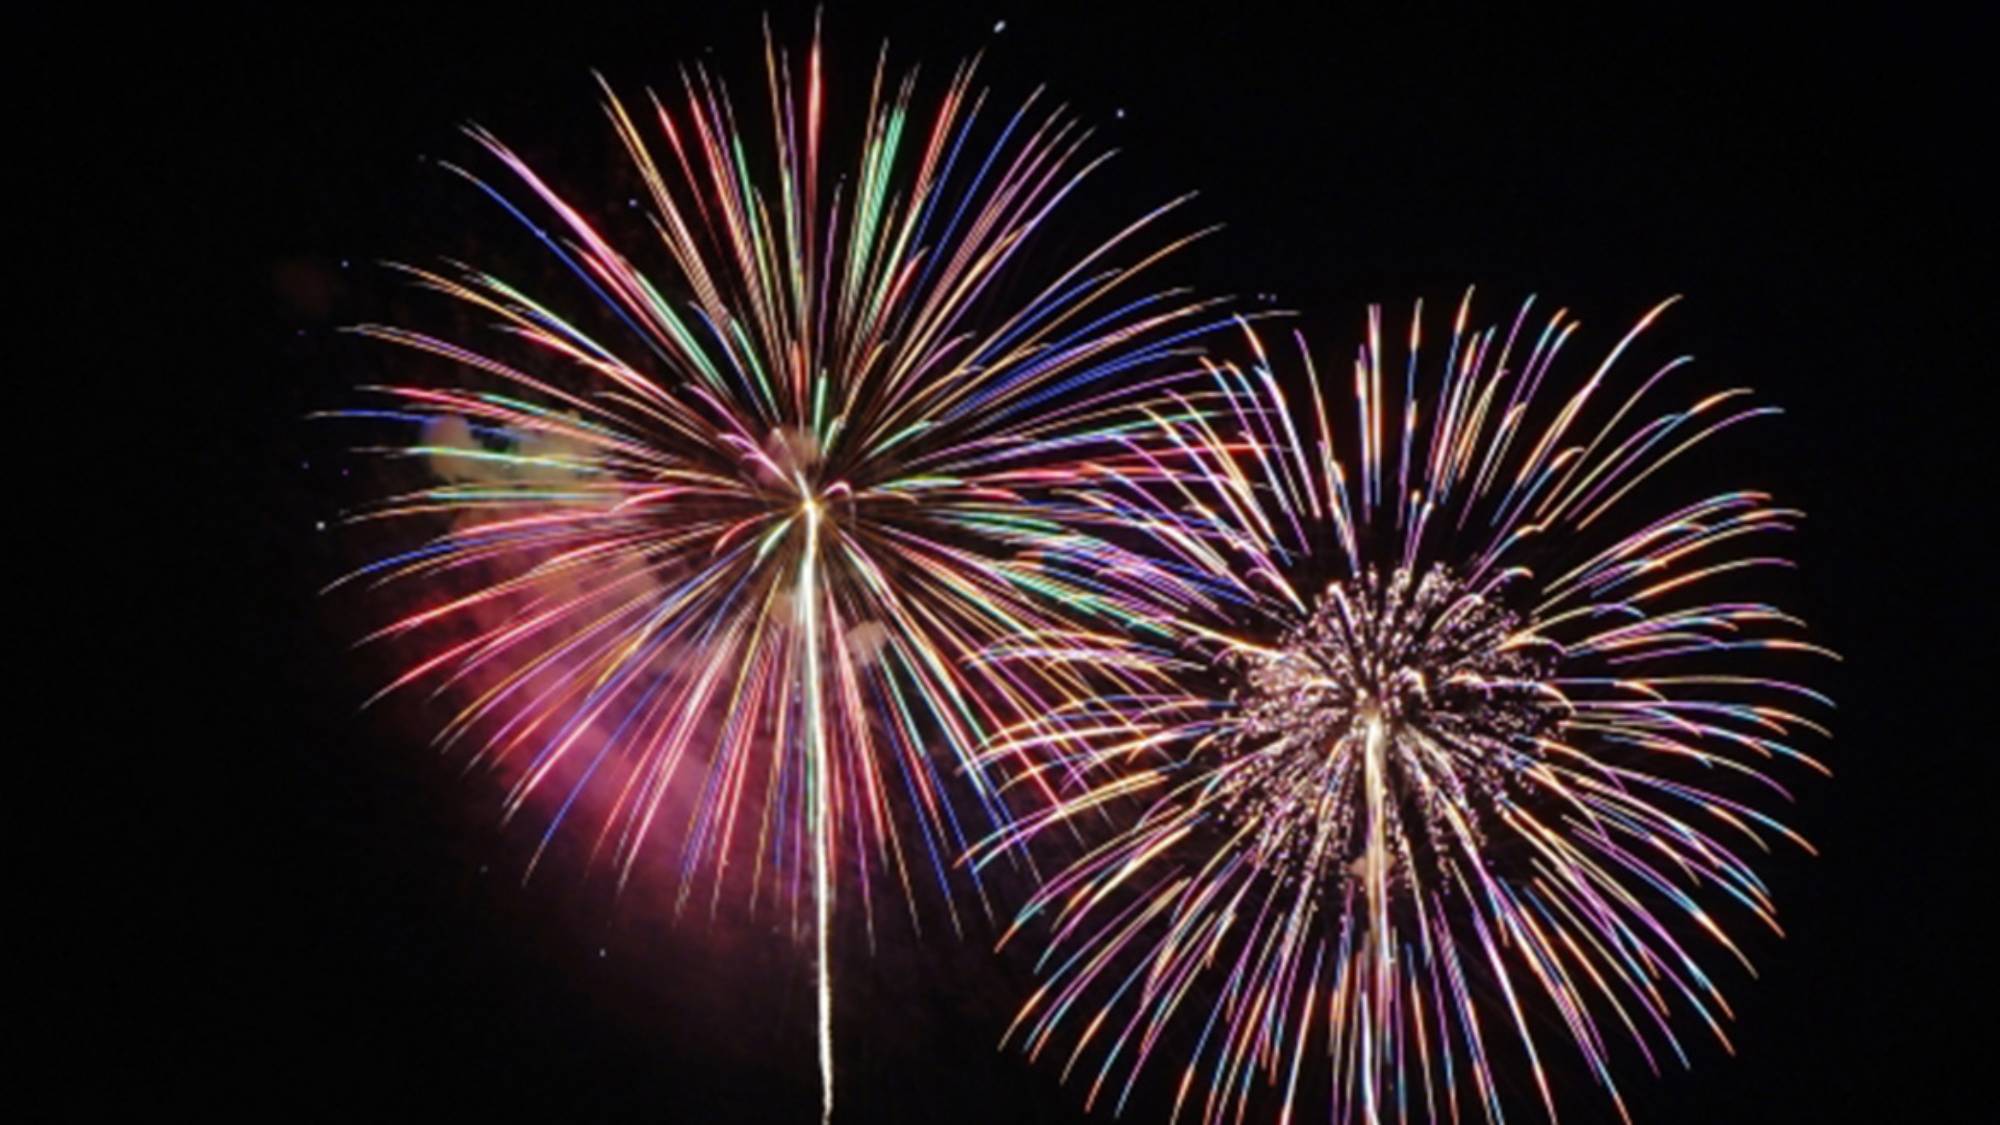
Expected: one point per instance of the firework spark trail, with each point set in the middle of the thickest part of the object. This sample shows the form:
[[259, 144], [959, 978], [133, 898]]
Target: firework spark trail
[[719, 567], [817, 768], [1397, 755]]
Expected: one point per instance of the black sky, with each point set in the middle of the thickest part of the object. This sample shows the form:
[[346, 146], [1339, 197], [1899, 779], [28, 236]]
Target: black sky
[[307, 916]]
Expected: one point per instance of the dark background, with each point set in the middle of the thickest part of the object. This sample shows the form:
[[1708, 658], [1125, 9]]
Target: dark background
[[299, 911]]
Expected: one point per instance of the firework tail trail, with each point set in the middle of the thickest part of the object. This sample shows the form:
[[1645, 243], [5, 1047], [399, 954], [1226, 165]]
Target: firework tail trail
[[782, 497], [1409, 736], [818, 768]]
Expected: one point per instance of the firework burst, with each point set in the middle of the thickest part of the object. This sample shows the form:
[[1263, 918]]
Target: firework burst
[[716, 567], [1421, 740]]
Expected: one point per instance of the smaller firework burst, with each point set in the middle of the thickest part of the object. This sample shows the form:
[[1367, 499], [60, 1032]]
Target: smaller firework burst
[[1417, 736]]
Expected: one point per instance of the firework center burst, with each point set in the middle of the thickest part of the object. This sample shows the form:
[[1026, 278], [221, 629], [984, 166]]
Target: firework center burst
[[1394, 716]]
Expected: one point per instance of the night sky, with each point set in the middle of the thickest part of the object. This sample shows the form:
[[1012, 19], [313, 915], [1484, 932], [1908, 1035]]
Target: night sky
[[304, 913]]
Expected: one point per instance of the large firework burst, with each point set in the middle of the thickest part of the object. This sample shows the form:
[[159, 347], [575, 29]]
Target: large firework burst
[[1425, 738], [716, 567]]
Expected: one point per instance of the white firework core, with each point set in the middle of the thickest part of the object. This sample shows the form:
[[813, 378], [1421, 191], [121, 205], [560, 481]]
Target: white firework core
[[1386, 722]]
